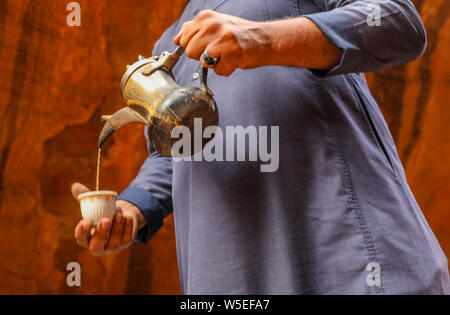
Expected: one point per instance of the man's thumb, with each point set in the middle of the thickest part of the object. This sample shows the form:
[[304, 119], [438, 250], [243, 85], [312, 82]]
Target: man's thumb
[[77, 189]]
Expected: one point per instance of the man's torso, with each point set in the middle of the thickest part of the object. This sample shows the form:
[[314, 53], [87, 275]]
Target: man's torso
[[337, 210]]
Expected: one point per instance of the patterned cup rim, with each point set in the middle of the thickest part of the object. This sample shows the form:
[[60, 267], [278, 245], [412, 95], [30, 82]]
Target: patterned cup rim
[[99, 193]]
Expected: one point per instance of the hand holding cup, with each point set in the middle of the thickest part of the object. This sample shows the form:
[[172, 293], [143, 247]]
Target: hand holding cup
[[108, 226]]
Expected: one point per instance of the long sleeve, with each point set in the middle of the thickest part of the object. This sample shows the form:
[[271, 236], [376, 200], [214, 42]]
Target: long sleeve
[[151, 191], [373, 34]]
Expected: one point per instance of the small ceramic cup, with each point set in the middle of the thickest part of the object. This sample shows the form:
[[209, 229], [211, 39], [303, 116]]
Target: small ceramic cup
[[98, 204]]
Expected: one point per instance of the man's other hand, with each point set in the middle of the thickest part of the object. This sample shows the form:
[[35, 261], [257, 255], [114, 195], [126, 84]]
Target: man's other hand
[[109, 236]]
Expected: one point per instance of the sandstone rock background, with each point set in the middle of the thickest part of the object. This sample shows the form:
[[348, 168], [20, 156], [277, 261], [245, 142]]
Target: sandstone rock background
[[57, 81]]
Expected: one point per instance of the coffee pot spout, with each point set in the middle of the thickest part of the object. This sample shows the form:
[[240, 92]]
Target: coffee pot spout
[[121, 118]]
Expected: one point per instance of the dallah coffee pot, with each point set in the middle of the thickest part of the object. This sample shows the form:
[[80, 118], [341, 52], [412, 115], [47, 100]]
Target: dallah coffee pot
[[154, 98]]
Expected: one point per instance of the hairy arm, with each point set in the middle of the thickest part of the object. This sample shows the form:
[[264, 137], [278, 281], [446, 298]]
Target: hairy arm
[[299, 42], [336, 40], [247, 44]]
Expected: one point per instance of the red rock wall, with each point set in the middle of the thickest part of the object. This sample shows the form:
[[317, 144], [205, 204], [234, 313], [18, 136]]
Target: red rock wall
[[56, 82], [415, 101]]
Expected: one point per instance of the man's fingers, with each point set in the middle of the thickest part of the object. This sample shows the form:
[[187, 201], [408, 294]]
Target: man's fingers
[[177, 38], [128, 232], [82, 233], [197, 45], [115, 237], [100, 238], [213, 51], [225, 66], [83, 228], [187, 31], [223, 69], [187, 37], [78, 188]]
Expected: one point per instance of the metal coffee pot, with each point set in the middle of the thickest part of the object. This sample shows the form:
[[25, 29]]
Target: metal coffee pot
[[154, 98]]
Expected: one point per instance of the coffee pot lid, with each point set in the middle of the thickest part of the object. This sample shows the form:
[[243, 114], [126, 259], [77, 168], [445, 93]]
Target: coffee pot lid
[[131, 69]]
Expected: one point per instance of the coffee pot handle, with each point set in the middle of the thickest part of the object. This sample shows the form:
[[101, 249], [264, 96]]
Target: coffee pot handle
[[204, 80], [176, 54]]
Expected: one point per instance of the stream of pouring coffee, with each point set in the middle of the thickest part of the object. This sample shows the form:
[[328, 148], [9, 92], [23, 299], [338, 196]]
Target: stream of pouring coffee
[[98, 169]]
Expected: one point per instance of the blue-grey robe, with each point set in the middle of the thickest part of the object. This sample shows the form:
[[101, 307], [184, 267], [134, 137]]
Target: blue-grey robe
[[338, 216]]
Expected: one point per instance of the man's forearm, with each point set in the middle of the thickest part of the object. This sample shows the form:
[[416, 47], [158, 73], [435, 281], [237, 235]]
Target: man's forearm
[[248, 44], [298, 42]]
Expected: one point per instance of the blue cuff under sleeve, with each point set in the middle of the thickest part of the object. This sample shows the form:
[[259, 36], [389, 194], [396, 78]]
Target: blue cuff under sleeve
[[395, 37], [340, 31], [150, 207]]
